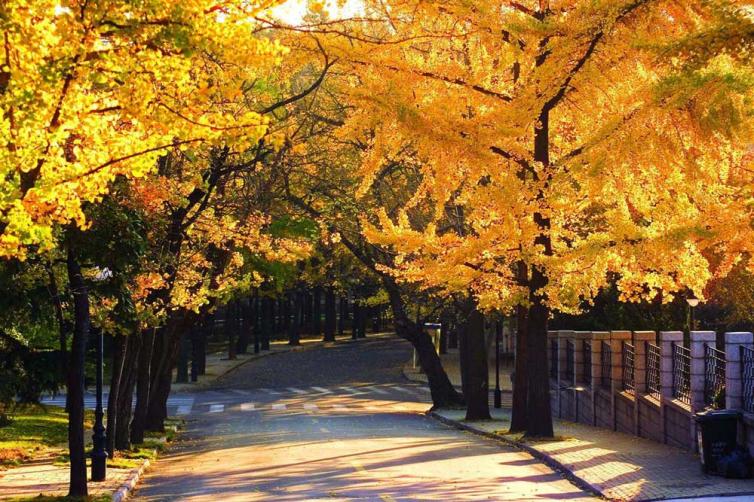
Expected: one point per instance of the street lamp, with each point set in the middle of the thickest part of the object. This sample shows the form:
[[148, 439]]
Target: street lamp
[[99, 452], [693, 302], [498, 392]]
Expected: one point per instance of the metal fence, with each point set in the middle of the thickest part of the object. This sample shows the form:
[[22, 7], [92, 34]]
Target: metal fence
[[714, 377], [588, 362], [652, 353], [747, 379], [606, 364], [554, 359], [569, 361], [627, 356], [681, 373]]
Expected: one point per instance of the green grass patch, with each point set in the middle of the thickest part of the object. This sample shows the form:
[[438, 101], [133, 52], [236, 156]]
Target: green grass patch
[[35, 432]]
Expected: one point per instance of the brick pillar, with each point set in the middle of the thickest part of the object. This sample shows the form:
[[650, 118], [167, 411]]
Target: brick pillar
[[667, 338], [616, 345], [597, 338], [564, 336], [733, 384], [640, 370]]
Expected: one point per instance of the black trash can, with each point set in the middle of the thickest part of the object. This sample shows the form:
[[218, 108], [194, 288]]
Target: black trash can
[[716, 436]]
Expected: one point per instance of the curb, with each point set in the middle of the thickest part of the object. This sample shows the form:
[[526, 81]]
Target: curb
[[546, 459], [127, 487]]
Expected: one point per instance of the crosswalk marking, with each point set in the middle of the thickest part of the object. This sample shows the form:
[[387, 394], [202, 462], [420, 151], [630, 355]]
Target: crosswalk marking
[[216, 408], [247, 406], [322, 390], [296, 391], [351, 391], [401, 389], [377, 390], [271, 392], [279, 406]]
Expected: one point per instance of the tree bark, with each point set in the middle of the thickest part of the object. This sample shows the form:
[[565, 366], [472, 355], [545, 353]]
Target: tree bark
[[473, 354], [142, 386], [317, 311], [342, 315], [126, 392], [520, 380], [294, 334], [77, 485], [330, 315], [119, 356], [245, 325], [442, 391]]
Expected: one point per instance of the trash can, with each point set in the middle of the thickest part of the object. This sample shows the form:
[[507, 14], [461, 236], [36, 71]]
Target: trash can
[[716, 435]]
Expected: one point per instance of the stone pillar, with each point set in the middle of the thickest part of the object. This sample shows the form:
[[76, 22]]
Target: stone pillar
[[578, 356], [698, 340], [640, 370], [564, 336], [733, 383], [616, 348], [597, 339], [667, 338]]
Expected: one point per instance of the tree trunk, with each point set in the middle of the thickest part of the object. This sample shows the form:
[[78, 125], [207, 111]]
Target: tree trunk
[[245, 325], [267, 320], [520, 380], [256, 326], [119, 356], [126, 392], [330, 315], [473, 355], [142, 386], [60, 318], [342, 315], [538, 413], [443, 392], [77, 486], [317, 311], [231, 325], [294, 334]]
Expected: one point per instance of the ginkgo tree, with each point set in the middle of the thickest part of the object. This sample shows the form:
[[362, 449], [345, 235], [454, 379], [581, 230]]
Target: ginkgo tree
[[92, 90], [559, 142]]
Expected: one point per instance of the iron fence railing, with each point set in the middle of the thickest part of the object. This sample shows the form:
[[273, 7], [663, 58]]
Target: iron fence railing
[[652, 353], [587, 362], [681, 373], [714, 377], [606, 364], [627, 357], [554, 359], [569, 361], [747, 379]]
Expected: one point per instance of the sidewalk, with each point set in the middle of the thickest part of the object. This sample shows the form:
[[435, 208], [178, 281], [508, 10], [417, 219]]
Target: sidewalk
[[615, 465], [45, 476]]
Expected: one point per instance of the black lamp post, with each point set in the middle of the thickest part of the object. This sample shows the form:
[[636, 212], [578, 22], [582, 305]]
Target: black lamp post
[[498, 393], [99, 452], [693, 302]]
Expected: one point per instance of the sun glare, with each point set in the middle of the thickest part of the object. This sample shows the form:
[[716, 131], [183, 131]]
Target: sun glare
[[293, 12]]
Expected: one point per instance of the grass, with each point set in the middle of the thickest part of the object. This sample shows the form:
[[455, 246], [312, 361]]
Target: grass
[[35, 432]]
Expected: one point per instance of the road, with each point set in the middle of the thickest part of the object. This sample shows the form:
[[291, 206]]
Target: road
[[335, 423]]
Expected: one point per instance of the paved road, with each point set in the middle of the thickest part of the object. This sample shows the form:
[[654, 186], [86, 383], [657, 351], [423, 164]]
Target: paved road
[[336, 423]]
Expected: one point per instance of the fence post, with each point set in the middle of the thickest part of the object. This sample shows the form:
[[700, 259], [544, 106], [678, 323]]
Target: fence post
[[696, 380], [597, 338], [616, 347], [640, 371], [579, 377], [733, 384], [667, 338]]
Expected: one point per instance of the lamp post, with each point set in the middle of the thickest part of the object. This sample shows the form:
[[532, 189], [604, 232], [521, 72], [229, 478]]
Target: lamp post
[[693, 302], [99, 452], [498, 393]]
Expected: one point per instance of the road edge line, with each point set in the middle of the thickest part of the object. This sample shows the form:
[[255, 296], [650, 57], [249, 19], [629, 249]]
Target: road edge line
[[574, 479]]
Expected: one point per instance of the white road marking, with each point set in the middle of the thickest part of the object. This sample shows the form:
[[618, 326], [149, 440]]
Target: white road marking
[[183, 410], [247, 406], [216, 408], [322, 390], [352, 391], [279, 406], [240, 392], [310, 406], [401, 389], [297, 391], [377, 390], [271, 392]]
